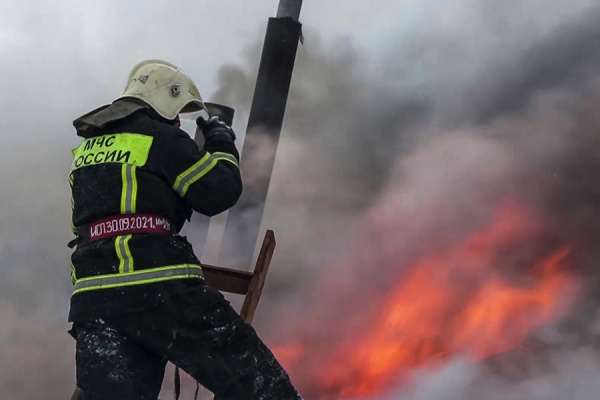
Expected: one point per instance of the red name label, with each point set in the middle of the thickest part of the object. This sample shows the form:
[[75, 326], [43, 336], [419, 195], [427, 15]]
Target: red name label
[[128, 224]]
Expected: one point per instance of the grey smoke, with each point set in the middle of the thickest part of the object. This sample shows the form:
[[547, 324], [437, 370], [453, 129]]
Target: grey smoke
[[499, 102], [501, 96]]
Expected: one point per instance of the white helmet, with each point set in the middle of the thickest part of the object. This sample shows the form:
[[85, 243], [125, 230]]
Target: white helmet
[[165, 87]]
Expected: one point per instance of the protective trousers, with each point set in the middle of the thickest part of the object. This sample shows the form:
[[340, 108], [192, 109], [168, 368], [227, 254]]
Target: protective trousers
[[125, 357]]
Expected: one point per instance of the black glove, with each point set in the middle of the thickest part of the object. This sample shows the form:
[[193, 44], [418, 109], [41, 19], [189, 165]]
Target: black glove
[[215, 128]]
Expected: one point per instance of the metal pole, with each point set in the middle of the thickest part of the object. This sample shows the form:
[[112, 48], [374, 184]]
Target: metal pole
[[289, 9], [265, 122]]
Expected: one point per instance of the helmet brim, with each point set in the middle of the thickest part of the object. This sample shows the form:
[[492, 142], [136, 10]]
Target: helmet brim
[[193, 107]]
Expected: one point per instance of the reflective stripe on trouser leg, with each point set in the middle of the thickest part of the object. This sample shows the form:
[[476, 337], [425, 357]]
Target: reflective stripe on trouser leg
[[74, 229], [225, 157]]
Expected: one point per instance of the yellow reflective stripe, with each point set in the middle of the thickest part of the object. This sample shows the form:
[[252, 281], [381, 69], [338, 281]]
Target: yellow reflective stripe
[[124, 148], [128, 256], [71, 186], [74, 229], [129, 190], [138, 277], [124, 253], [134, 188], [193, 173], [124, 184], [119, 250], [73, 274], [128, 206], [225, 157]]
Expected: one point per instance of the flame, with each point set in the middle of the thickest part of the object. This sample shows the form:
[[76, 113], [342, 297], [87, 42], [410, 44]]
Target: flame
[[463, 300], [288, 354]]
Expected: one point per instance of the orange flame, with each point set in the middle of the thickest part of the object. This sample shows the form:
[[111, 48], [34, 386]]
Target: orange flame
[[457, 302]]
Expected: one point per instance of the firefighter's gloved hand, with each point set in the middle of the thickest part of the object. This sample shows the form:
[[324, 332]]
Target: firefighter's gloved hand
[[215, 128]]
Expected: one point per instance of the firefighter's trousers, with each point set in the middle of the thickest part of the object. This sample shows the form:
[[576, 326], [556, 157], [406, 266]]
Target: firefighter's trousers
[[125, 357]]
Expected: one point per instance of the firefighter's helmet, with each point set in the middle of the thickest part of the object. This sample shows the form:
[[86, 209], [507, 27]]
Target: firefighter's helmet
[[164, 87]]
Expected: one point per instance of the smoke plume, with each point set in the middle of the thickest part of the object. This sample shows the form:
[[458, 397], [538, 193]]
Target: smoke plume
[[486, 105], [389, 154]]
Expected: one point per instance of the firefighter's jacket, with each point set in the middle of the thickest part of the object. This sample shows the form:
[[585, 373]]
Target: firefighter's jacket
[[142, 165]]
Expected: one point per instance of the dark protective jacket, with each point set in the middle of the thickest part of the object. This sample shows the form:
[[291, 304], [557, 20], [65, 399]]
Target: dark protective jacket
[[141, 164]]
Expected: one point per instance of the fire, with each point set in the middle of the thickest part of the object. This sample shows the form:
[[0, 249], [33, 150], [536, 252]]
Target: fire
[[460, 301]]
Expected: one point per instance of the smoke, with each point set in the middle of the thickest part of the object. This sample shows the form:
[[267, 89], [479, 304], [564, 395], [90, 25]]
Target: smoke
[[382, 159], [565, 375], [382, 162]]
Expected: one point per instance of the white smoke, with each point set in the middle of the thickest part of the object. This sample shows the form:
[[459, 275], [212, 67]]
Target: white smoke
[[466, 99], [566, 375]]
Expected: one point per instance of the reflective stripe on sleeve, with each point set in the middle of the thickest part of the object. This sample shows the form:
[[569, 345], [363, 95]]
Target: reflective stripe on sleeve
[[193, 173], [73, 274], [74, 229], [71, 187], [225, 157], [138, 277]]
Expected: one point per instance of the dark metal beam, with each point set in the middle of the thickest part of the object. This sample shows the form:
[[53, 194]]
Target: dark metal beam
[[289, 9], [266, 120]]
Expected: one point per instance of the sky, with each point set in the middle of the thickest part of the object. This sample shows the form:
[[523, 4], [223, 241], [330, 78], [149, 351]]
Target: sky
[[416, 118], [79, 52]]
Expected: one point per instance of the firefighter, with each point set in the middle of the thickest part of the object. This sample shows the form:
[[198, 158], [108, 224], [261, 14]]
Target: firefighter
[[139, 298]]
